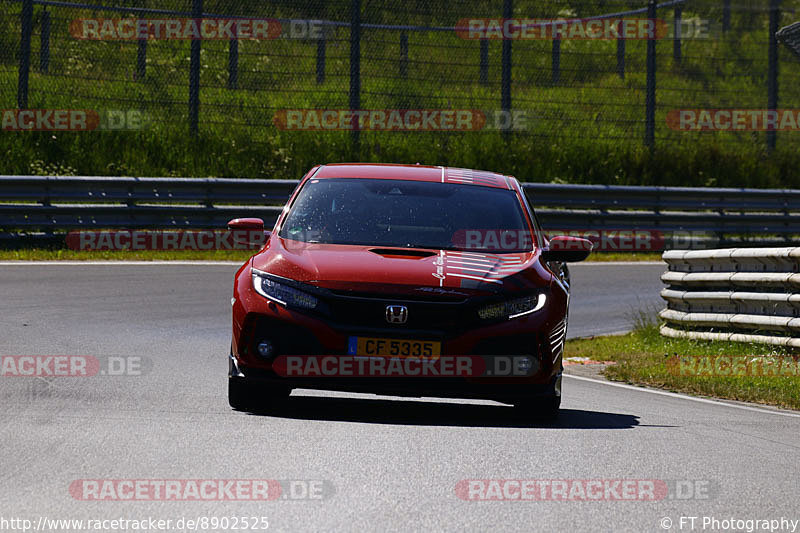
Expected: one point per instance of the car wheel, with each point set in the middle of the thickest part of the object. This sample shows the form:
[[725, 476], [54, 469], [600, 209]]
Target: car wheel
[[245, 395], [539, 410], [542, 409]]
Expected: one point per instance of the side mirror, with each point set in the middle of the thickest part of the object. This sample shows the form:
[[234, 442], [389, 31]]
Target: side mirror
[[564, 249], [248, 231]]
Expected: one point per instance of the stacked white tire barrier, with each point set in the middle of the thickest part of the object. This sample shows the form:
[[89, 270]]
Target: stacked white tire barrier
[[733, 294]]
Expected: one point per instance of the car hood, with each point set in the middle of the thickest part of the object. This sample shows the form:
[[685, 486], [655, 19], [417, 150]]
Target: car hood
[[373, 268]]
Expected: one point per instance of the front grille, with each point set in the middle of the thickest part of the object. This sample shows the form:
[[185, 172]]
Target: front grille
[[348, 312]]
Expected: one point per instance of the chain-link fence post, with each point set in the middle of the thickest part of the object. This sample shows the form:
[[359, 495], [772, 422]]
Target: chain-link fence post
[[233, 63], [620, 53], [483, 74], [676, 35], [772, 68], [141, 59], [505, 89], [556, 61], [650, 89], [321, 59], [404, 55], [355, 72], [726, 15], [194, 71], [25, 54], [44, 43]]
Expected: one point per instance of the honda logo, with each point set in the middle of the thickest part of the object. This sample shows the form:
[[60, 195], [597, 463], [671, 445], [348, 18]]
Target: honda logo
[[396, 314]]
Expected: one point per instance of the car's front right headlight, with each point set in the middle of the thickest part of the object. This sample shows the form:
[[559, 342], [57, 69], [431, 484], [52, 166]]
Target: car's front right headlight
[[513, 308], [282, 293]]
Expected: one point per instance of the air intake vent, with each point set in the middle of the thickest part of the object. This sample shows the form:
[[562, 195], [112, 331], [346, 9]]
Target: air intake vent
[[400, 252], [557, 339]]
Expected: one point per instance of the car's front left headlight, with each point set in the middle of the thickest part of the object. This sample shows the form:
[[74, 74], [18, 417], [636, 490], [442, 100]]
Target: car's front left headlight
[[282, 293], [513, 308]]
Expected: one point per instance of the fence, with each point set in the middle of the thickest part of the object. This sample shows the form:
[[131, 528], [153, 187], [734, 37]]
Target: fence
[[743, 295], [353, 55], [686, 216]]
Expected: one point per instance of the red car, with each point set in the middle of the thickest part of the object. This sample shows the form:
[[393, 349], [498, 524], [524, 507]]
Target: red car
[[404, 280]]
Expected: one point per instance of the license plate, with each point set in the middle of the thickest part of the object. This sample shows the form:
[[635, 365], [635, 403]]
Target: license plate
[[393, 347]]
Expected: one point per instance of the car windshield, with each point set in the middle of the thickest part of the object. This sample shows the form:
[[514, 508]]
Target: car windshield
[[409, 214]]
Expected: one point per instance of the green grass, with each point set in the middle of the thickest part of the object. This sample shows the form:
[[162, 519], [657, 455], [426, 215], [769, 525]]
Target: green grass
[[643, 357], [588, 129], [604, 257], [42, 254]]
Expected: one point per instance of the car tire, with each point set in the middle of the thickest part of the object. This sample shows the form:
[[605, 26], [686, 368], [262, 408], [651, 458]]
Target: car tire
[[539, 410], [245, 395]]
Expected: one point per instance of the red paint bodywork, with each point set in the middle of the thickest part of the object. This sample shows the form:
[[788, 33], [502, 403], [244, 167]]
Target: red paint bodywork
[[356, 268]]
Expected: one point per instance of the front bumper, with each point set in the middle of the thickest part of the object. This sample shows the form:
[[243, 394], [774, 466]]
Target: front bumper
[[445, 387]]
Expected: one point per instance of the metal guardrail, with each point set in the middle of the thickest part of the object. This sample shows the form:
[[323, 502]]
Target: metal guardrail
[[669, 209], [734, 294], [62, 203]]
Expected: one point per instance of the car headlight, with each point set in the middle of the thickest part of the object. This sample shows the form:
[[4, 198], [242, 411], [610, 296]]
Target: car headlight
[[282, 293], [513, 308]]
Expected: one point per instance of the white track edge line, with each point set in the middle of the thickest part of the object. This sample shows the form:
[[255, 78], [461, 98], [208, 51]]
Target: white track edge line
[[685, 396]]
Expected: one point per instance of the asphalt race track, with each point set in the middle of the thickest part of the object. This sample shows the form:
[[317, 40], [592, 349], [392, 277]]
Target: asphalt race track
[[385, 464]]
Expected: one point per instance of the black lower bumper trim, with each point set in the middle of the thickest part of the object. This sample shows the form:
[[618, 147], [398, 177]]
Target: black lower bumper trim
[[506, 392]]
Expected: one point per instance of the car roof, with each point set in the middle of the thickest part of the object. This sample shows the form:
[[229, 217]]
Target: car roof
[[429, 173]]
